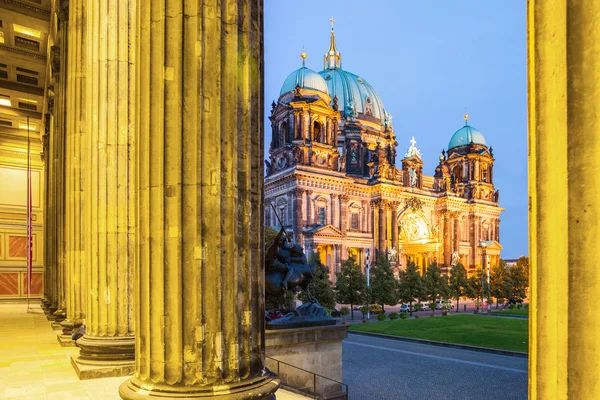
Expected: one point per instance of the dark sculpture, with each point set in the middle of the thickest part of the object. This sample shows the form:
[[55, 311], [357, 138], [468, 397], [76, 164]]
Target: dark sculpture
[[286, 269]]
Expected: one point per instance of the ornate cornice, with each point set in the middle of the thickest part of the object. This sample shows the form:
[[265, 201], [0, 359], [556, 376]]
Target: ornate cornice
[[22, 52], [28, 9]]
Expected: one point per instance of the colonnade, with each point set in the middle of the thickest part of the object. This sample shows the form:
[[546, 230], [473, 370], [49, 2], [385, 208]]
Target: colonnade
[[183, 199], [155, 194]]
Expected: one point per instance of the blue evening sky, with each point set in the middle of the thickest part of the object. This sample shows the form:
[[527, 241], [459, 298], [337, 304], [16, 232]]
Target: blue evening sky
[[428, 60]]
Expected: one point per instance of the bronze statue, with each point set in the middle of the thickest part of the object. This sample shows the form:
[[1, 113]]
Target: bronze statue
[[286, 268]]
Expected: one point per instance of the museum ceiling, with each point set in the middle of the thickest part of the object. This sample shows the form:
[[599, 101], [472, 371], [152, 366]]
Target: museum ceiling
[[24, 27]]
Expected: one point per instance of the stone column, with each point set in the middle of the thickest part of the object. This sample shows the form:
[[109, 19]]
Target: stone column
[[306, 129], [382, 227], [74, 165], [334, 210], [447, 239], [107, 349], [59, 162], [299, 219], [564, 129], [200, 300], [363, 217], [344, 212], [395, 225], [309, 208], [336, 263]]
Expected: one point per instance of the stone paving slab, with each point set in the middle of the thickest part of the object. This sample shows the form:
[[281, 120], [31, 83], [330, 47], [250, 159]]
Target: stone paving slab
[[33, 365]]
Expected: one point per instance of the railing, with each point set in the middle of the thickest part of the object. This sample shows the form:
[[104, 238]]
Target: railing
[[305, 382]]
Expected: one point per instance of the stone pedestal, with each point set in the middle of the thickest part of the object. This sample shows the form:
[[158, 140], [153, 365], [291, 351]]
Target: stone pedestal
[[314, 349], [102, 357]]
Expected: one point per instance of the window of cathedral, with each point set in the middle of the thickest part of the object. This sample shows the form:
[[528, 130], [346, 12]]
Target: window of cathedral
[[283, 133], [484, 174], [283, 215], [321, 215], [354, 221], [318, 132]]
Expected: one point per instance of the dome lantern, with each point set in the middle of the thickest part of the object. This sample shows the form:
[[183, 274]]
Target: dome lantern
[[333, 58]]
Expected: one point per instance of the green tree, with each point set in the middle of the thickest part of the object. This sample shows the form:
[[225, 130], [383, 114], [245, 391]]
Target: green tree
[[518, 283], [435, 284], [410, 285], [475, 284], [351, 285], [383, 284], [270, 234], [320, 286], [458, 283], [499, 282]]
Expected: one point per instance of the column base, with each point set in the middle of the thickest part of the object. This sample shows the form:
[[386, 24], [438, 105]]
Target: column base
[[65, 340], [103, 357], [101, 370], [67, 326], [262, 387], [59, 315], [56, 326]]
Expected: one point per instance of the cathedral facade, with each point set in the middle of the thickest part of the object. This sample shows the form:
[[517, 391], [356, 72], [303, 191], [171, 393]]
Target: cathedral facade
[[333, 183]]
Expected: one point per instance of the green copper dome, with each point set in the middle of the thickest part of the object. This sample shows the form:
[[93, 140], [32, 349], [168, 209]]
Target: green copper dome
[[306, 78], [465, 135], [353, 92]]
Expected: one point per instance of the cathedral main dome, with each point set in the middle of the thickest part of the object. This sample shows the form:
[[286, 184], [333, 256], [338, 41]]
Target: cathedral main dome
[[466, 135], [353, 91], [306, 78]]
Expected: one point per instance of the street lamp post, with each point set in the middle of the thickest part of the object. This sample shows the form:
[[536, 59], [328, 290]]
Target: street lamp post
[[482, 246], [487, 260], [368, 297]]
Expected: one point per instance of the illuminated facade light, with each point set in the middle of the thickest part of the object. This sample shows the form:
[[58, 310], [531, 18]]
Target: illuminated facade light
[[27, 31], [5, 101]]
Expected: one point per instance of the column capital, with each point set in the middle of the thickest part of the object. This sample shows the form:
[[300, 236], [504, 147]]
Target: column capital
[[298, 192]]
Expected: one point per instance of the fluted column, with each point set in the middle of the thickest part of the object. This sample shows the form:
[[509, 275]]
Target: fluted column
[[343, 212], [110, 188], [447, 239], [75, 154], [564, 129], [200, 296], [310, 209], [299, 216], [334, 208], [59, 161], [395, 225], [382, 227]]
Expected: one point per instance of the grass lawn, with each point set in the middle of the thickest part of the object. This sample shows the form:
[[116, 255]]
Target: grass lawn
[[498, 333], [522, 312]]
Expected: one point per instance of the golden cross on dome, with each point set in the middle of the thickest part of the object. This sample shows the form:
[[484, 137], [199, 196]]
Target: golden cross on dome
[[332, 23]]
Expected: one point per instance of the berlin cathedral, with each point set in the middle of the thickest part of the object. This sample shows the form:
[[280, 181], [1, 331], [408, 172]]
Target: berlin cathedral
[[333, 180]]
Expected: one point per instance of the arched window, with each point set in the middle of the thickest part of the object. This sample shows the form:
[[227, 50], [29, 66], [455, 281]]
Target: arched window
[[484, 173], [318, 132], [457, 173]]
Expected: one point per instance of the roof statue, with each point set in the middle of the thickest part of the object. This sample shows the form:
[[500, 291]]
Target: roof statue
[[412, 150]]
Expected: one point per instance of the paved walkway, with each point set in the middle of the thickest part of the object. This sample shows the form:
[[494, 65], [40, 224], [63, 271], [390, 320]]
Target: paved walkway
[[377, 368], [34, 366]]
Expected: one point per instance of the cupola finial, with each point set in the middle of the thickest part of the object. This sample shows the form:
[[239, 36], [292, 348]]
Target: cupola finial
[[466, 117], [333, 58], [303, 55]]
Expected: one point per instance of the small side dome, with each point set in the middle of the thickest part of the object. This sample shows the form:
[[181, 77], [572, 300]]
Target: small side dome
[[306, 78], [466, 135]]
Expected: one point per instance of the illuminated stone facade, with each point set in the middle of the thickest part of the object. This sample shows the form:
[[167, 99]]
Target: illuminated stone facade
[[332, 178]]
